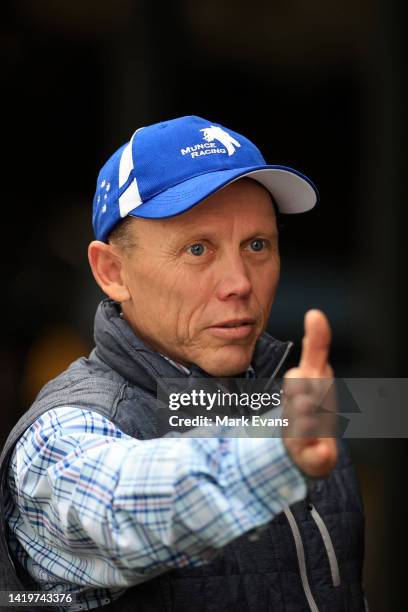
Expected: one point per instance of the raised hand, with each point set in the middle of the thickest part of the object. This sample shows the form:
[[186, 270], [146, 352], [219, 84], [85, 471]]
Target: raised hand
[[305, 388]]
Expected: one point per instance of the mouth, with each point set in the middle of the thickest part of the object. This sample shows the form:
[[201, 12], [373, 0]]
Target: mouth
[[233, 328]]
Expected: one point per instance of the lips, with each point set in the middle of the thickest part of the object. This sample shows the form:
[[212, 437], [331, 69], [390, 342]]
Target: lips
[[235, 323], [233, 329]]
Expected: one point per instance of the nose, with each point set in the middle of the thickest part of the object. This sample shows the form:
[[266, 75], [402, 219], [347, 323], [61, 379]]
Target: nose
[[234, 280]]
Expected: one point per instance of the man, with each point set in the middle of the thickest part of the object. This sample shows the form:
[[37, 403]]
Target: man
[[97, 504]]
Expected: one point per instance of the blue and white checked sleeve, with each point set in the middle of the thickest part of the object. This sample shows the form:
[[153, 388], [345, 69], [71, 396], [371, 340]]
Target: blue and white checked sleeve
[[94, 506]]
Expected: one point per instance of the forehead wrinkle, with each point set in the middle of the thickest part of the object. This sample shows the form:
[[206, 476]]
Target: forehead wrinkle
[[218, 225], [182, 229]]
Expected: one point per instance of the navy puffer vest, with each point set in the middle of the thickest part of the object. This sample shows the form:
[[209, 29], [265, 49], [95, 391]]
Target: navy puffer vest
[[308, 558]]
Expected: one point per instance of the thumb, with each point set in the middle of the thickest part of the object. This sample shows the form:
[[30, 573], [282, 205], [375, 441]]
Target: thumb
[[316, 342]]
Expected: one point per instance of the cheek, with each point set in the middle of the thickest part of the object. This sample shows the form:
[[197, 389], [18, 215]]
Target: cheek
[[147, 286], [189, 297], [168, 298], [266, 284], [191, 301]]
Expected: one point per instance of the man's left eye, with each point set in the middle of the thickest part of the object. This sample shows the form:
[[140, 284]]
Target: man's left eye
[[257, 244]]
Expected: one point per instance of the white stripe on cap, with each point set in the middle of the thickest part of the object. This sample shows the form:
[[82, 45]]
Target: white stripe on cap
[[130, 198]]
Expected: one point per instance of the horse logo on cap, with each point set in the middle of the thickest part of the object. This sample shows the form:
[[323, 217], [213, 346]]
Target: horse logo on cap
[[216, 133]]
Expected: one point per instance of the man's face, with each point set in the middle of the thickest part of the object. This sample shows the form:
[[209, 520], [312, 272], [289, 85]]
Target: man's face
[[202, 283]]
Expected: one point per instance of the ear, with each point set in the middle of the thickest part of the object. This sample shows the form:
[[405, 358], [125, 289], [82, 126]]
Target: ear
[[107, 268]]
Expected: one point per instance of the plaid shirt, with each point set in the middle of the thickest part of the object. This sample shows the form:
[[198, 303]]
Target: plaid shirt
[[95, 511]]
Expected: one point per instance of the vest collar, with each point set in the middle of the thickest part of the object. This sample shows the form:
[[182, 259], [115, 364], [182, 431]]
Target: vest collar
[[119, 347]]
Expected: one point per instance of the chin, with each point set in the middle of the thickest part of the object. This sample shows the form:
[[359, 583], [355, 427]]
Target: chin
[[228, 361]]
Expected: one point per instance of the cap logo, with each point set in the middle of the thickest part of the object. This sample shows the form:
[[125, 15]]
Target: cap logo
[[216, 133], [210, 134]]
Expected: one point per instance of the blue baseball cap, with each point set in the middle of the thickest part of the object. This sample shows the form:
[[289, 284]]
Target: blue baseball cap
[[169, 167]]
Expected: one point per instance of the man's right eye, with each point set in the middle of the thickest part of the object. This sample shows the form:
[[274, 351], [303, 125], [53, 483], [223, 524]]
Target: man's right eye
[[196, 249]]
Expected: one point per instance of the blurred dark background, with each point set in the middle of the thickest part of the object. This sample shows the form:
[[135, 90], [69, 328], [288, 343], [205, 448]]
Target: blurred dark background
[[318, 85]]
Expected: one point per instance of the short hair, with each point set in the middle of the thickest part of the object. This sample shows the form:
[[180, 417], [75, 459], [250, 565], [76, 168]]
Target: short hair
[[122, 235]]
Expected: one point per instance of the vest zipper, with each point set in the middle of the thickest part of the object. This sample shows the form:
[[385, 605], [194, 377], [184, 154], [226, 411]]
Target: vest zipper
[[301, 559], [327, 541], [278, 367], [331, 553]]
